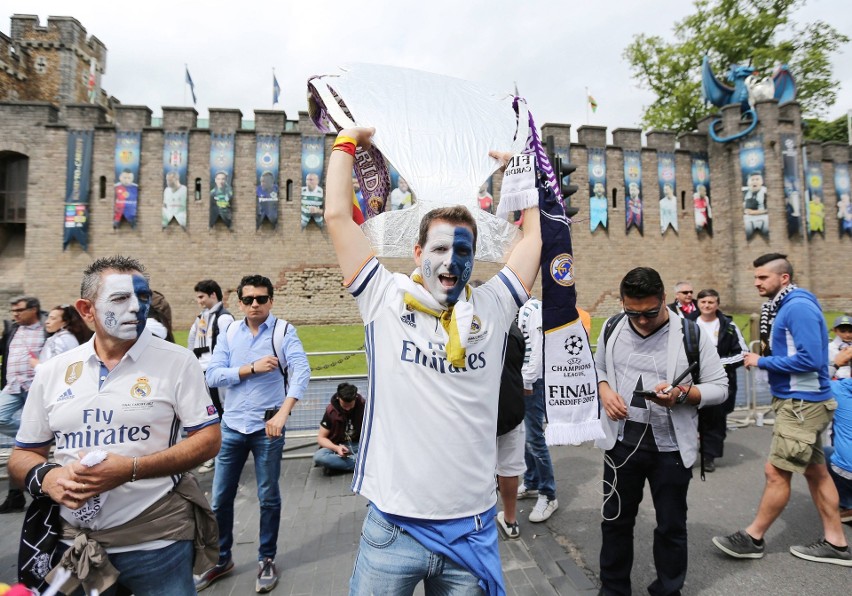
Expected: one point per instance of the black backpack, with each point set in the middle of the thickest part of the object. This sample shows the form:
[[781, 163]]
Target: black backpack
[[692, 346]]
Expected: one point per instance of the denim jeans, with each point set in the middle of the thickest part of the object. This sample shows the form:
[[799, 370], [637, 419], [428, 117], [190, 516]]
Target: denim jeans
[[669, 482], [267, 467], [162, 572], [844, 485], [329, 459], [391, 562], [539, 474], [11, 405]]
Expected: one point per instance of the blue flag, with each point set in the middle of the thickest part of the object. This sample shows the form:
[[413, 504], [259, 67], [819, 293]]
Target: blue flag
[[276, 90], [191, 86]]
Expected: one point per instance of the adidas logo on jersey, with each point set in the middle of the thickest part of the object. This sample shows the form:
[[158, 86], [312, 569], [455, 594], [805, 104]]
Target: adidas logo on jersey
[[408, 319], [66, 395]]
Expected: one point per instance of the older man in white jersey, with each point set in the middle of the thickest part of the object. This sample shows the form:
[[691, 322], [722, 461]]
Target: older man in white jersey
[[428, 452], [114, 407]]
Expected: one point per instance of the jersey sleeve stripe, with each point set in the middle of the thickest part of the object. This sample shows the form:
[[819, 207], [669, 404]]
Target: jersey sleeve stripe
[[190, 429], [364, 266], [363, 277], [516, 288], [23, 445]]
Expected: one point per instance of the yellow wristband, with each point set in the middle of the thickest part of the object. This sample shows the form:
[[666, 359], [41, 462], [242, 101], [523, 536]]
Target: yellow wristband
[[345, 139]]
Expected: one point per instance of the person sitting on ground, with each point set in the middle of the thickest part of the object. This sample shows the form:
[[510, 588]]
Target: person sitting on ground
[[340, 431], [840, 349]]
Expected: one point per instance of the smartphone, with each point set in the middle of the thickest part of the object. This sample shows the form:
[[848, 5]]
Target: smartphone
[[647, 394], [268, 414]]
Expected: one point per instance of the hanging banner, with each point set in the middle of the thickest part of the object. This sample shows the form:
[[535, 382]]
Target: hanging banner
[[844, 204], [78, 176], [313, 199], [266, 174], [598, 202], [127, 148], [792, 188], [752, 167], [221, 176], [668, 200], [701, 193], [633, 186], [816, 206], [175, 155]]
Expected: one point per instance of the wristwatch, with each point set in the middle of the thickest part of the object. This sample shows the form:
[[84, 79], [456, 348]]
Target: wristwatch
[[682, 397]]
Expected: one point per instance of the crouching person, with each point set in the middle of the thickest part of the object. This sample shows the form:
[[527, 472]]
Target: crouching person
[[340, 431]]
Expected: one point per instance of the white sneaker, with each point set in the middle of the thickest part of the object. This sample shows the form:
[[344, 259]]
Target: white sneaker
[[510, 531], [207, 466], [543, 509], [526, 493]]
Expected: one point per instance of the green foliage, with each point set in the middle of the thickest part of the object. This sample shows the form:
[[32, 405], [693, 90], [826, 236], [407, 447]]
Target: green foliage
[[820, 130], [760, 32]]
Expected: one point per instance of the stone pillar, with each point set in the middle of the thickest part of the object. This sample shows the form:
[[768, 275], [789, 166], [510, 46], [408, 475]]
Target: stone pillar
[[693, 141], [179, 118], [225, 120], [269, 121], [84, 116], [132, 117], [661, 140], [592, 136], [627, 138]]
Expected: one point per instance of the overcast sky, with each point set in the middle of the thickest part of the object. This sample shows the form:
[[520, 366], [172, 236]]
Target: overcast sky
[[552, 49]]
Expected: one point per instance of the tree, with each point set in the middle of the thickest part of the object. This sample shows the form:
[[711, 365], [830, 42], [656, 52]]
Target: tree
[[760, 32], [820, 130]]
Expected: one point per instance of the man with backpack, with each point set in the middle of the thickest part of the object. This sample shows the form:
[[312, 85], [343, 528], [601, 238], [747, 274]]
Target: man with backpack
[[261, 361], [654, 370]]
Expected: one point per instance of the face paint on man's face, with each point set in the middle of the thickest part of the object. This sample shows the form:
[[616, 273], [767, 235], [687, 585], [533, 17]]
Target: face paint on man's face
[[122, 305], [447, 261]]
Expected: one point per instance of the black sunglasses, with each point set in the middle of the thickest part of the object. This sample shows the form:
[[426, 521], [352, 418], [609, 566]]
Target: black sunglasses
[[648, 314], [685, 292], [247, 300]]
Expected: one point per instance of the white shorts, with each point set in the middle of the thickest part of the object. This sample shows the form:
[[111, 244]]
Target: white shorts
[[510, 452]]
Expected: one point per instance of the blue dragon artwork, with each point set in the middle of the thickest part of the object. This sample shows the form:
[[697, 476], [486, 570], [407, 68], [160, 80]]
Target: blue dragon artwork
[[748, 89]]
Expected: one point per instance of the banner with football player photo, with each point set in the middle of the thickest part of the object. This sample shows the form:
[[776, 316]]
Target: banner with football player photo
[[668, 199], [127, 149], [266, 174], [633, 209], [313, 198], [816, 205], [175, 155], [701, 193], [752, 168], [792, 187], [78, 179], [844, 204], [221, 178], [598, 202]]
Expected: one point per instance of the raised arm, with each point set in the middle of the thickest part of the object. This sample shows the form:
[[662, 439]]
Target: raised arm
[[350, 244], [525, 259]]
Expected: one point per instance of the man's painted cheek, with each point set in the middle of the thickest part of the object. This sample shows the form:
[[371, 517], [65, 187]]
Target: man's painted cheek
[[461, 264], [142, 292]]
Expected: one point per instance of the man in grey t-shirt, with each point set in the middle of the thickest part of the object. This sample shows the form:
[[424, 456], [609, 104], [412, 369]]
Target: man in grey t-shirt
[[650, 436]]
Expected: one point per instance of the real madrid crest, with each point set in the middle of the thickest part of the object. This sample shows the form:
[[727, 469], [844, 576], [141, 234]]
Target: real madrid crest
[[73, 372], [562, 269], [141, 389], [475, 325]]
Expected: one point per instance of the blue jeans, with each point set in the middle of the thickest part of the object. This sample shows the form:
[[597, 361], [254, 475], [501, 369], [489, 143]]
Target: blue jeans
[[391, 562], [329, 459], [844, 485], [267, 468], [539, 474], [163, 572], [11, 405]]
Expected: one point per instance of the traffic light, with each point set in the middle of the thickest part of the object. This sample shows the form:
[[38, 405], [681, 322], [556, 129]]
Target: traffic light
[[563, 169]]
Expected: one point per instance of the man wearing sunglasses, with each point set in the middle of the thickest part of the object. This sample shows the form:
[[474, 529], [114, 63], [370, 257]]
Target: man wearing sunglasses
[[265, 379], [651, 429], [22, 340], [684, 304]]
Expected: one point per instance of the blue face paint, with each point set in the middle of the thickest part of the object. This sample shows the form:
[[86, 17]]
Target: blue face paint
[[461, 264], [143, 294]]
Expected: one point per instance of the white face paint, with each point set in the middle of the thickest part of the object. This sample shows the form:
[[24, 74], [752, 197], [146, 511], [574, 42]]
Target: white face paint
[[122, 305], [446, 261]]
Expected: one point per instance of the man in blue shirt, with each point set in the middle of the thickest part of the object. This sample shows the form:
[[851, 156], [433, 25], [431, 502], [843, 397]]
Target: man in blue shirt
[[794, 353], [251, 362]]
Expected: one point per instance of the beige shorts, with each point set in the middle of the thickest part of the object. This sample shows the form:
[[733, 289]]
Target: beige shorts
[[510, 452], [796, 436]]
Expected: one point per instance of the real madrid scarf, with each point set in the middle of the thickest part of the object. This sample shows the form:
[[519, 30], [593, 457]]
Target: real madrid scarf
[[455, 319], [570, 379], [768, 310]]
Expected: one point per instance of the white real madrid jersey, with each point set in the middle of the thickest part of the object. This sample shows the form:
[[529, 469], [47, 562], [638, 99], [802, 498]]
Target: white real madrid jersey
[[137, 410], [428, 445]]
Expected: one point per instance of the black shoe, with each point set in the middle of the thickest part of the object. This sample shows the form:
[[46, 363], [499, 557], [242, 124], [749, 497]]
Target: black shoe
[[15, 501], [709, 464]]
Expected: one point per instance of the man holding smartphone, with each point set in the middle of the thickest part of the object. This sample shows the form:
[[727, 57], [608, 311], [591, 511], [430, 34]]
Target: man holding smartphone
[[651, 428], [265, 377]]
